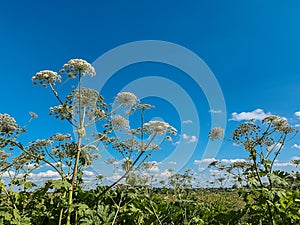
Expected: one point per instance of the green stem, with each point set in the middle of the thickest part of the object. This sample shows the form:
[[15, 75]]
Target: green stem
[[20, 146], [130, 168], [61, 212], [80, 134], [61, 102]]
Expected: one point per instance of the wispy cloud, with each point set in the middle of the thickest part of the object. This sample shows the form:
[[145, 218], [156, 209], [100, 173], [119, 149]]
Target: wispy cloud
[[49, 174], [189, 139], [295, 158], [163, 174], [229, 161], [176, 143], [257, 114], [206, 160], [210, 160], [282, 164], [296, 146], [88, 173], [187, 121], [214, 111], [276, 146], [297, 114], [236, 145]]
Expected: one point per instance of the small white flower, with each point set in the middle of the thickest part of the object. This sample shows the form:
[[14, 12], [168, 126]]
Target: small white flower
[[77, 67], [216, 133], [8, 125], [45, 77], [96, 113], [119, 122], [61, 137], [42, 143], [159, 127], [126, 98]]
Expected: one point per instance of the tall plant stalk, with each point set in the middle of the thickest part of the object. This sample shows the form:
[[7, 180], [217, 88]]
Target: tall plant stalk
[[80, 132]]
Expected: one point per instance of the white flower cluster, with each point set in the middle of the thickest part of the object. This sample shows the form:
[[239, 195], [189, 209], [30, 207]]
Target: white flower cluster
[[216, 133], [159, 127], [119, 122], [279, 124], [61, 137], [62, 111], [8, 124], [87, 97], [42, 143], [153, 146], [126, 98], [3, 155], [77, 67], [96, 113], [45, 77]]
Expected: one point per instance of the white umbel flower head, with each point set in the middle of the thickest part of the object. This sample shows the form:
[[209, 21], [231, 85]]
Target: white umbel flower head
[[159, 127], [119, 122], [78, 66], [42, 143], [216, 133], [126, 98], [85, 97], [8, 125], [61, 137], [280, 124], [45, 77]]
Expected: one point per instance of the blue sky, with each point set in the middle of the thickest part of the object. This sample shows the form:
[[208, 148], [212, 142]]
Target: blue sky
[[251, 47]]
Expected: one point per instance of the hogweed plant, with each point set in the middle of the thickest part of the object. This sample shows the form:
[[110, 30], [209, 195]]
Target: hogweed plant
[[68, 156], [136, 145], [269, 198]]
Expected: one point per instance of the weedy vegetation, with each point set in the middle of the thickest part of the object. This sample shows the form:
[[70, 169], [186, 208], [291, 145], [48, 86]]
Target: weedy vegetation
[[260, 194]]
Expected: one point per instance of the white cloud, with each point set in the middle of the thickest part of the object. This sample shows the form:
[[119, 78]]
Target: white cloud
[[115, 177], [164, 174], [257, 114], [201, 169], [8, 174], [49, 174], [187, 121], [32, 165], [172, 163], [185, 136], [193, 139], [210, 160], [189, 139], [176, 143], [295, 158], [282, 164], [297, 114], [154, 169], [215, 111], [88, 173], [206, 160], [214, 172], [236, 145], [276, 146], [229, 161], [296, 146], [297, 125]]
